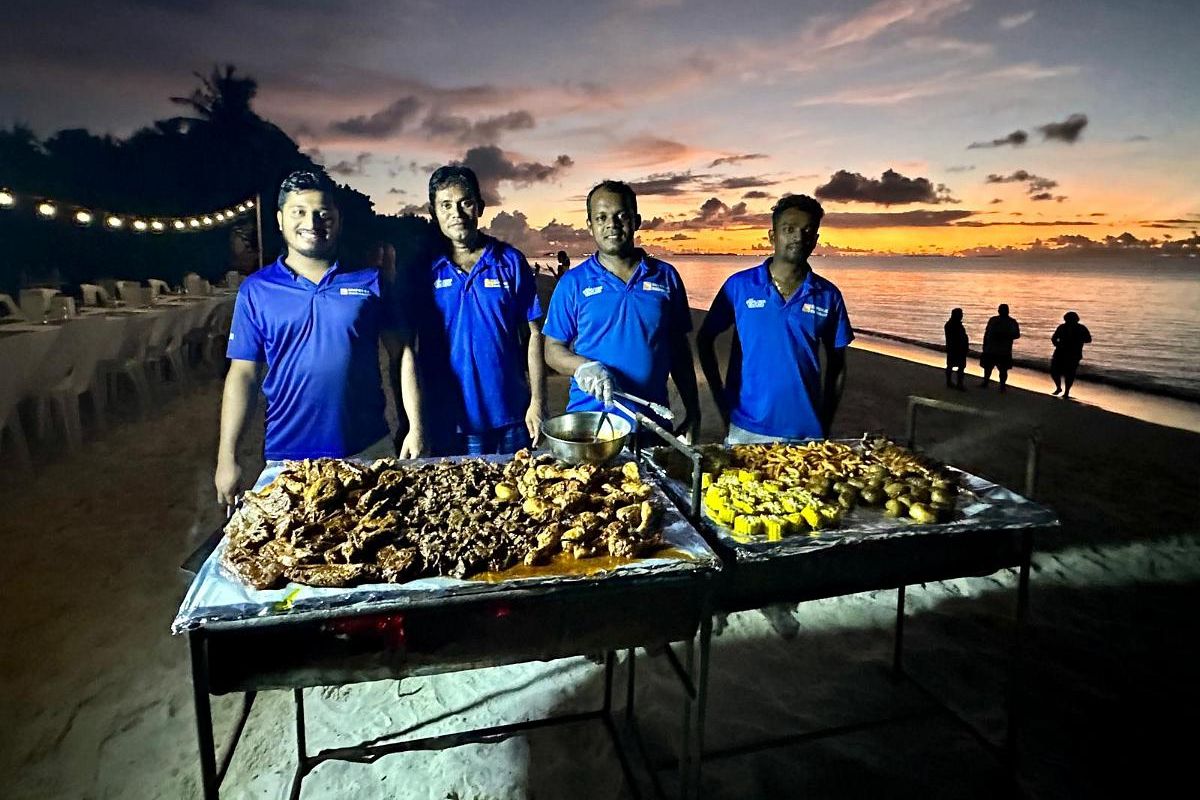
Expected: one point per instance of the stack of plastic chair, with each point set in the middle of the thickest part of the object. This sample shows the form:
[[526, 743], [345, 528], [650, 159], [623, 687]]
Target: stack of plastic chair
[[233, 279], [130, 361], [158, 287], [35, 303], [11, 309], [61, 307], [110, 286]]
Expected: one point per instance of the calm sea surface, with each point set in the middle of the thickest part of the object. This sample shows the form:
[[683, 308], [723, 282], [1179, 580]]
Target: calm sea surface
[[1144, 314]]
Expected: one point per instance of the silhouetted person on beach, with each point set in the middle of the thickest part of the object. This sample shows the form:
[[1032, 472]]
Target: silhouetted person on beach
[[1002, 330], [957, 344], [564, 263], [1069, 339]]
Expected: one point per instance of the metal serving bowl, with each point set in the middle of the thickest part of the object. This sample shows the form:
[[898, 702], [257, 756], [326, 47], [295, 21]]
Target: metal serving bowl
[[569, 437]]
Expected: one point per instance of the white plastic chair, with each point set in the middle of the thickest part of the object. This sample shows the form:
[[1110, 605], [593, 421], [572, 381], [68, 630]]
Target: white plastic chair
[[19, 359], [35, 303], [11, 309], [233, 279], [66, 373], [127, 288], [158, 287], [93, 295]]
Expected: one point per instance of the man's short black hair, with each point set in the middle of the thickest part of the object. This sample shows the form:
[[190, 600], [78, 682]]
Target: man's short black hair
[[452, 175], [307, 180], [619, 188], [801, 201]]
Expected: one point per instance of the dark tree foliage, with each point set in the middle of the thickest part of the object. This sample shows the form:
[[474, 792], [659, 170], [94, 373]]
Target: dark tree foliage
[[218, 154]]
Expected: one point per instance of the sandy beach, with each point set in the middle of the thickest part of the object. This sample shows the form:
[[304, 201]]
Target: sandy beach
[[97, 702]]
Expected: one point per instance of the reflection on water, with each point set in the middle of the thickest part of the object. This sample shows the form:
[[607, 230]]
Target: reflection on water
[[1144, 314]]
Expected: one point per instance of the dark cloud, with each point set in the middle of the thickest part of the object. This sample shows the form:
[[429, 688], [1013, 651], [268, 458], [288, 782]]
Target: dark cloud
[[667, 184], [755, 195], [1035, 223], [1097, 214], [961, 168], [1126, 241], [397, 190], [995, 200], [1034, 183], [1066, 131], [514, 228], [891, 188], [415, 210], [653, 224], [713, 213], [1171, 223], [1042, 196], [344, 168], [898, 219], [381, 124], [681, 237], [1138, 138], [493, 166], [461, 130], [1016, 139], [747, 182], [736, 159]]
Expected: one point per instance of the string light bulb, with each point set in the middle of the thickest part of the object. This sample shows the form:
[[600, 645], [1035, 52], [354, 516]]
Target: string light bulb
[[6, 199], [178, 225], [156, 226], [241, 207], [115, 222], [207, 220], [193, 223], [140, 225], [249, 204], [83, 217], [47, 210]]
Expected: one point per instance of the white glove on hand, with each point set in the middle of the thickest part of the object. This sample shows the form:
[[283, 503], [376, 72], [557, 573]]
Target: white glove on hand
[[595, 379]]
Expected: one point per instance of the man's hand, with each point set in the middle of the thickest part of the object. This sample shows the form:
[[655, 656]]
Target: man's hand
[[413, 445], [595, 379], [228, 481], [533, 421]]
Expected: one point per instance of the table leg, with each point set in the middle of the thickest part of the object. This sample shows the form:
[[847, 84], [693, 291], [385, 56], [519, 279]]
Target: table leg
[[898, 652], [630, 681], [701, 683], [689, 699], [1018, 657], [210, 785], [301, 745]]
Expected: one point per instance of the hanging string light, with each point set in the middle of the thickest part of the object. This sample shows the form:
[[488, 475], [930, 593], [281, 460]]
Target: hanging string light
[[48, 209]]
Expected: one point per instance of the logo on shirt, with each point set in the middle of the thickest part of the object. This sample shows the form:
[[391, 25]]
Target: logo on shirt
[[649, 286], [592, 290], [809, 308], [494, 283], [756, 303], [347, 292], [443, 283]]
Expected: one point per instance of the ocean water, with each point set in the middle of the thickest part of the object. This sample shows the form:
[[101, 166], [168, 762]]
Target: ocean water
[[1143, 312]]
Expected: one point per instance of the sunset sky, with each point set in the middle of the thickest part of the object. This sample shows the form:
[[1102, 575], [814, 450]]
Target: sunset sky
[[923, 125]]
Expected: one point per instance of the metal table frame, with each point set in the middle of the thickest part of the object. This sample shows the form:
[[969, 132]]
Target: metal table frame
[[792, 579], [411, 637]]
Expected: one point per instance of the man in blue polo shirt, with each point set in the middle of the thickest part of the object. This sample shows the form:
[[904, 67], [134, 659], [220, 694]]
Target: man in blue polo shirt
[[483, 377], [316, 325], [619, 320], [784, 314]]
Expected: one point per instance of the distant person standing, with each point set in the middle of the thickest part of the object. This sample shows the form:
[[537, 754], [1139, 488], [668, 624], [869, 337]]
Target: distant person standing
[[1002, 330], [1069, 339], [957, 344], [564, 264]]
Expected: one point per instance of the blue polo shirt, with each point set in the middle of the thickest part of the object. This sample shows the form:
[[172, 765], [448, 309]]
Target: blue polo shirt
[[627, 326], [472, 350], [320, 342], [774, 381]]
